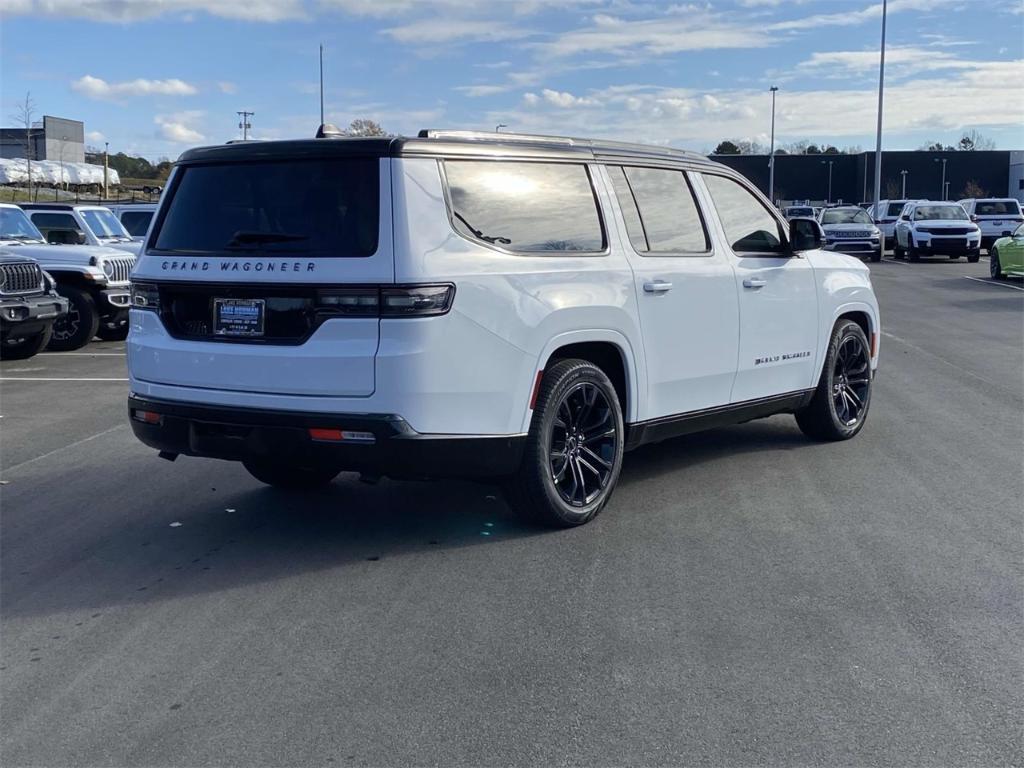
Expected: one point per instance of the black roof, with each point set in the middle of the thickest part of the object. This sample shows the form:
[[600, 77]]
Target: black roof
[[441, 143], [56, 206]]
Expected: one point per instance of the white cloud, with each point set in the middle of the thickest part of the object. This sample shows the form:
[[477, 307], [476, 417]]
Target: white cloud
[[853, 17], [560, 99], [95, 137], [179, 127], [900, 62], [97, 88], [120, 11], [225, 86], [436, 30]]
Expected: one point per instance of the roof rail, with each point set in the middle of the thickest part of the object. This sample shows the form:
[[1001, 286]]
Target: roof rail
[[596, 145], [434, 133]]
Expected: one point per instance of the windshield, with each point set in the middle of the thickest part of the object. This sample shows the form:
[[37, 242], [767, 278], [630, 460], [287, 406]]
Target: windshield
[[16, 225], [801, 212], [894, 209], [103, 223], [845, 216], [997, 208], [320, 207], [942, 212]]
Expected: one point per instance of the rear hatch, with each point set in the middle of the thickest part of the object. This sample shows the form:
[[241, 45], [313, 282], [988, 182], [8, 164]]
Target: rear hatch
[[265, 266], [997, 217]]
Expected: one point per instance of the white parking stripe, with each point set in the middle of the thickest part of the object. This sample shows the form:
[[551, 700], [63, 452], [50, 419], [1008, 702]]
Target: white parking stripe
[[82, 354], [989, 281], [65, 447], [62, 378]]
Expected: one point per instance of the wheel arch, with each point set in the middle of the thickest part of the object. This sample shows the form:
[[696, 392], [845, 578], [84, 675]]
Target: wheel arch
[[607, 349]]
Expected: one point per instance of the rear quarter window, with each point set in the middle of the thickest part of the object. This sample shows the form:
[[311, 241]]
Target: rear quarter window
[[526, 207], [997, 208], [318, 207], [136, 222]]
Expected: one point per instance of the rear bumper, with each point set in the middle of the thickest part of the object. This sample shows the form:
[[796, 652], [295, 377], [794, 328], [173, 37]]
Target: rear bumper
[[395, 450]]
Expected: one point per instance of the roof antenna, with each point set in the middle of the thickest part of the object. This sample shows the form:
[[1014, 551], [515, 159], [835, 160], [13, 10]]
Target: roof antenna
[[326, 130], [321, 83]]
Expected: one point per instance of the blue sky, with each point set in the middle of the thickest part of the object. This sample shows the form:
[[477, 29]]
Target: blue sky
[[154, 77]]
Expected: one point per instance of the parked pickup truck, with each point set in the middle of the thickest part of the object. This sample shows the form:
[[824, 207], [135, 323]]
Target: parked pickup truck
[[29, 306], [93, 279]]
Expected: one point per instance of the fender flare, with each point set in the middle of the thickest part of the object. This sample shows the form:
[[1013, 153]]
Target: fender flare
[[873, 323], [635, 380]]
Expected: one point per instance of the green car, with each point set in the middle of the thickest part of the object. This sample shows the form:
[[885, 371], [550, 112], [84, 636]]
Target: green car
[[1006, 259]]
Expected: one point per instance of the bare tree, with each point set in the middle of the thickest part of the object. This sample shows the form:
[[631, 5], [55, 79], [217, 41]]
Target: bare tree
[[892, 189], [24, 118], [973, 189], [974, 141], [362, 126]]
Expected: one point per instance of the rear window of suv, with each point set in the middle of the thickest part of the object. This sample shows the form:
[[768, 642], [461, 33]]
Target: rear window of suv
[[321, 207], [525, 207], [895, 209], [997, 208]]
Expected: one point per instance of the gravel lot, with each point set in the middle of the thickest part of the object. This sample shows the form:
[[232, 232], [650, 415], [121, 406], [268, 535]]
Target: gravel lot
[[748, 596]]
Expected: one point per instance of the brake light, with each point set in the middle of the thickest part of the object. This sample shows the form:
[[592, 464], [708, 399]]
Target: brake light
[[390, 301], [145, 296], [326, 435], [147, 417]]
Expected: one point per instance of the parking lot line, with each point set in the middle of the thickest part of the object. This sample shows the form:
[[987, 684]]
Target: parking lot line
[[988, 281], [65, 447], [82, 354], [59, 378]]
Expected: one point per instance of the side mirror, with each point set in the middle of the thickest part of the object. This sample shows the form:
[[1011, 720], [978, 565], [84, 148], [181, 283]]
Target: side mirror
[[974, 218], [65, 237], [805, 234]]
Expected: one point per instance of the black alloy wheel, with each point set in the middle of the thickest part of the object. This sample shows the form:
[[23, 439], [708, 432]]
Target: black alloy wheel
[[995, 270], [851, 380], [583, 444], [78, 327]]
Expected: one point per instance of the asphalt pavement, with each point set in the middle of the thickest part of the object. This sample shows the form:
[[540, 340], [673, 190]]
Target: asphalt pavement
[[748, 597]]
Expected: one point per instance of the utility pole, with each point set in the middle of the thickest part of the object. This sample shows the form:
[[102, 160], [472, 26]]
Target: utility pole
[[942, 188], [321, 84], [878, 140], [771, 156], [829, 162], [106, 170], [499, 126], [903, 194], [243, 124]]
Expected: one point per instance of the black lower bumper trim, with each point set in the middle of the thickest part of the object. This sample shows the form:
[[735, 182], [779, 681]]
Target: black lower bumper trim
[[397, 451]]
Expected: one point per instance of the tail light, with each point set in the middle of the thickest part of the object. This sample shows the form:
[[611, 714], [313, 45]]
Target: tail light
[[390, 301], [145, 296]]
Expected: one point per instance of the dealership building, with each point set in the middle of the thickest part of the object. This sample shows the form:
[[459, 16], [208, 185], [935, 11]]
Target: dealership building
[[56, 138], [928, 175]]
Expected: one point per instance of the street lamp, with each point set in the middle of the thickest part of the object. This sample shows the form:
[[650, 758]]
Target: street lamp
[[499, 126], [904, 175], [771, 157], [878, 137], [106, 167], [942, 188], [829, 163], [62, 140], [945, 191]]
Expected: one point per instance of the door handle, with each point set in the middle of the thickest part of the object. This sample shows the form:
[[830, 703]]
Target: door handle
[[754, 282], [657, 286]]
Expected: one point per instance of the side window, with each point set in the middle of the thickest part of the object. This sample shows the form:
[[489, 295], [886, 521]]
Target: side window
[[748, 225], [525, 207], [627, 203], [136, 222], [48, 221], [665, 210]]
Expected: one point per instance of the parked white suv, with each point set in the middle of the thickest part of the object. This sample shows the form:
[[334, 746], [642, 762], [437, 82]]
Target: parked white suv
[[134, 217], [996, 217], [849, 228], [885, 217], [479, 305], [929, 228], [70, 223]]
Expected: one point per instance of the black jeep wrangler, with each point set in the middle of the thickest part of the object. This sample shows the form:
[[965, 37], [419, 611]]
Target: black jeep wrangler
[[29, 305]]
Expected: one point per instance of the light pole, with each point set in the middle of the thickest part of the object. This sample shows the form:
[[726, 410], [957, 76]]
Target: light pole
[[62, 140], [878, 138], [499, 126], [945, 191], [829, 163], [904, 192], [771, 156], [106, 166], [942, 188]]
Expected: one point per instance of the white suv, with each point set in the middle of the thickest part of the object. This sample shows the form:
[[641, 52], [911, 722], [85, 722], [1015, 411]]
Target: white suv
[[70, 223], [885, 217], [927, 228], [996, 217], [477, 305]]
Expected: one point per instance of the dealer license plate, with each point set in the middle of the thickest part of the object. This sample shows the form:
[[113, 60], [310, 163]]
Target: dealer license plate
[[238, 317]]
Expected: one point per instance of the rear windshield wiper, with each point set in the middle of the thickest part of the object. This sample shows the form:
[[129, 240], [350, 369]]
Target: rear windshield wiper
[[479, 234], [242, 239]]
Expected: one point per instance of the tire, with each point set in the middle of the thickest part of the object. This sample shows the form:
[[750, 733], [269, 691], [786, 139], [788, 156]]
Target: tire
[[974, 258], [291, 475], [954, 257], [573, 453], [912, 254], [897, 252], [876, 257], [113, 334], [845, 381], [995, 269], [30, 347], [78, 327]]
